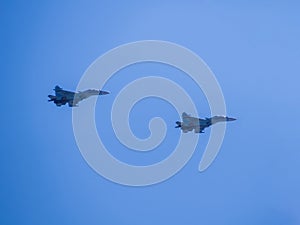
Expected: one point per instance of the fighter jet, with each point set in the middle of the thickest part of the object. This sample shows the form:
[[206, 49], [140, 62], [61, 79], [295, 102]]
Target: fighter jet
[[72, 98], [198, 125]]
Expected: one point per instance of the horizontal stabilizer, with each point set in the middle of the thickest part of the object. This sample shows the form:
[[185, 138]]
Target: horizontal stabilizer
[[52, 98], [178, 124]]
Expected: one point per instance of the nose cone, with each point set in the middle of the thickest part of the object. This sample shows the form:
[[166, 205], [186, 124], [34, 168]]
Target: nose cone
[[230, 119], [103, 93]]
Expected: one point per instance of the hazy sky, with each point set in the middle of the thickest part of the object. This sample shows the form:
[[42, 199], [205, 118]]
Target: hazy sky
[[252, 48]]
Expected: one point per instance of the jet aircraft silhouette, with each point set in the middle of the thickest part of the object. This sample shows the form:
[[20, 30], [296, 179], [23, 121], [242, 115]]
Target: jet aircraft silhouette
[[62, 96], [190, 123]]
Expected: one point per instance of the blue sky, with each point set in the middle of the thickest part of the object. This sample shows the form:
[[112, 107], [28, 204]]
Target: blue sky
[[252, 48]]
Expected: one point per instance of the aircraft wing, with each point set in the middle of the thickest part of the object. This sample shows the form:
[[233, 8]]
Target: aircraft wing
[[60, 103], [190, 123], [198, 129], [187, 119], [72, 103], [59, 92]]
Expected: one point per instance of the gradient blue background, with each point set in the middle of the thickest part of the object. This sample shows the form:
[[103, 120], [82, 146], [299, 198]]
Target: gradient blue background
[[253, 49]]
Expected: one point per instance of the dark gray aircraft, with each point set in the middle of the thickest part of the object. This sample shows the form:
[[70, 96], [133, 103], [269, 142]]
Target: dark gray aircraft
[[72, 98], [198, 125]]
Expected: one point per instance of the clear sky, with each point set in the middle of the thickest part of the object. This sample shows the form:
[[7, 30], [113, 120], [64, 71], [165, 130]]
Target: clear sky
[[251, 46]]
